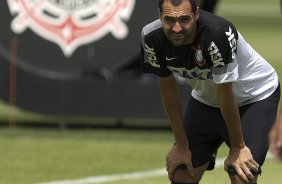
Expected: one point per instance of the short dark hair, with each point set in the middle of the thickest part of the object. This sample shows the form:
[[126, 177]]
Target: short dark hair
[[176, 3]]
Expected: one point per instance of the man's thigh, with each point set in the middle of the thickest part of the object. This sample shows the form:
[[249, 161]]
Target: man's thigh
[[203, 125], [257, 119]]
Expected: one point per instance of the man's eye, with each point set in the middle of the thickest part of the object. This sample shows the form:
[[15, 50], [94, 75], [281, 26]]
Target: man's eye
[[184, 20], [169, 20]]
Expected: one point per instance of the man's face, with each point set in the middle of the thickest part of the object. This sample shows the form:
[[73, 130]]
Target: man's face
[[179, 23]]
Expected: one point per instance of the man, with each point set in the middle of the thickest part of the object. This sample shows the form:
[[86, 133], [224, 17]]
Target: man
[[235, 92], [275, 137]]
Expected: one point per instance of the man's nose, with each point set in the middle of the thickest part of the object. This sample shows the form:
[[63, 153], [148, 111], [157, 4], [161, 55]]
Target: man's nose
[[177, 27]]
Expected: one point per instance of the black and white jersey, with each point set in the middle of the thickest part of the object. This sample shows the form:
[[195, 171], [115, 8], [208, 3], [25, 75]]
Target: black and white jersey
[[219, 54]]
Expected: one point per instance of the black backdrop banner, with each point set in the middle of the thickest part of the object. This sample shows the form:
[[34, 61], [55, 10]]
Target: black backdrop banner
[[64, 59]]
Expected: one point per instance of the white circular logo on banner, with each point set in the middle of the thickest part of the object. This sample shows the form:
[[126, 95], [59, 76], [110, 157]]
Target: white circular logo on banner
[[72, 23]]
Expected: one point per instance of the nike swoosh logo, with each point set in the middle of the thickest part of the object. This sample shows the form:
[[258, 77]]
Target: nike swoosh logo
[[170, 59]]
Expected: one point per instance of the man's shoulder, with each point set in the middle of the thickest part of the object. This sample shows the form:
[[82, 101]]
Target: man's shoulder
[[152, 27], [214, 23], [216, 29]]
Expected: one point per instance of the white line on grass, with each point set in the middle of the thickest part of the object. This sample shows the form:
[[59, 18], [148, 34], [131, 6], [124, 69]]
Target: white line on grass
[[125, 176], [110, 178]]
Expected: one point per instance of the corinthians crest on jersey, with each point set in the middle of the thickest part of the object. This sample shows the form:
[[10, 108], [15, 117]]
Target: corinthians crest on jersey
[[199, 58], [72, 23]]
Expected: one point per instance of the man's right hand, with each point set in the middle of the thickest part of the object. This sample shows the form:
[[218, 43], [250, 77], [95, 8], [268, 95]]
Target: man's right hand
[[179, 156], [242, 161]]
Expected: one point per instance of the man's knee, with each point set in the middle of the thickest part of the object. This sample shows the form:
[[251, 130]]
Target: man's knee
[[180, 176], [233, 175]]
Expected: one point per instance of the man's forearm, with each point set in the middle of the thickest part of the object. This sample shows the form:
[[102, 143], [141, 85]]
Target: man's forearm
[[231, 116], [172, 106], [230, 113]]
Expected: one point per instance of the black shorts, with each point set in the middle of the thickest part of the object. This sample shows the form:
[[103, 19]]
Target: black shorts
[[206, 129]]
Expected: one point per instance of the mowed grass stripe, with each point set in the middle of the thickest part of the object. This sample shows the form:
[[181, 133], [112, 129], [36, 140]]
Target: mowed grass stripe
[[270, 10]]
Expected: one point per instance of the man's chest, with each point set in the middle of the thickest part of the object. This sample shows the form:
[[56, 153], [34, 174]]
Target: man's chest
[[189, 62]]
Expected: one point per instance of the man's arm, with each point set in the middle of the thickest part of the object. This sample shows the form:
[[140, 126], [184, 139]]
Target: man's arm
[[230, 113], [172, 106], [180, 154], [239, 156]]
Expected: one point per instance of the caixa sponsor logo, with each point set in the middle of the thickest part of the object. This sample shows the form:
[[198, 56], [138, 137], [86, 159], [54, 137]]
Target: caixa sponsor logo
[[194, 73], [72, 23]]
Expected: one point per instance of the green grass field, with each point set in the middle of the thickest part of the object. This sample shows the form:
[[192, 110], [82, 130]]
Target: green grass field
[[30, 156], [33, 156]]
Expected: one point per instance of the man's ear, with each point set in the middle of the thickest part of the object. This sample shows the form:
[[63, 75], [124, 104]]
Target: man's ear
[[197, 13], [160, 15]]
